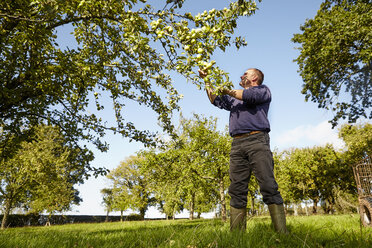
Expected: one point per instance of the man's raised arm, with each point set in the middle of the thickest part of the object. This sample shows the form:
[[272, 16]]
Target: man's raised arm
[[209, 90]]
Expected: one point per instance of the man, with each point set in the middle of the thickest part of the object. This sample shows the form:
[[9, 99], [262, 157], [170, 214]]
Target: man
[[250, 149]]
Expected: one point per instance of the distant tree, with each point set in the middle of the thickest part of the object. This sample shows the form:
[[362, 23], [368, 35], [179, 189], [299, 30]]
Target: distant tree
[[164, 178], [191, 171], [124, 52], [41, 174], [331, 173], [107, 200], [208, 152], [291, 175], [253, 193], [121, 201], [335, 58], [128, 179], [358, 140], [116, 199], [312, 173]]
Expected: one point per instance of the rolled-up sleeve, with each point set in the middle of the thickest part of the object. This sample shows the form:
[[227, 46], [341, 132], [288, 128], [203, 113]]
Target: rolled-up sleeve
[[257, 95], [223, 102]]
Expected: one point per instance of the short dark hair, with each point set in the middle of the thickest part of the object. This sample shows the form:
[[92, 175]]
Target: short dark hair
[[260, 75]]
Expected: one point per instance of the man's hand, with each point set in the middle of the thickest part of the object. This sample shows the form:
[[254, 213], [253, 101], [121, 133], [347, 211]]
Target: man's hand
[[202, 73], [209, 90], [238, 94]]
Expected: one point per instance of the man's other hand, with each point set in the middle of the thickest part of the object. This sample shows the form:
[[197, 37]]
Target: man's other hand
[[202, 73]]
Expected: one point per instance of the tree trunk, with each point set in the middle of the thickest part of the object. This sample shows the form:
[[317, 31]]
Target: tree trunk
[[49, 219], [223, 200], [47, 223], [121, 215], [252, 205], [331, 205], [107, 216], [315, 206], [142, 213], [326, 207], [192, 205], [169, 217], [295, 209], [306, 210], [4, 222]]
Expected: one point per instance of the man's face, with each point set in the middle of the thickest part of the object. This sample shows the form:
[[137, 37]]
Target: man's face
[[246, 79]]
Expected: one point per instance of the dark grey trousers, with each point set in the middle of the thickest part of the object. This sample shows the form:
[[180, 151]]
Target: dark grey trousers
[[252, 154]]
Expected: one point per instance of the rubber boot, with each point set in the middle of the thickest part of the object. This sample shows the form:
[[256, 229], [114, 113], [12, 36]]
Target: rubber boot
[[238, 218], [278, 218]]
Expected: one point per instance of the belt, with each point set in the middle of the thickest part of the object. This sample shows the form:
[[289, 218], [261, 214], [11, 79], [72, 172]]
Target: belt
[[241, 135]]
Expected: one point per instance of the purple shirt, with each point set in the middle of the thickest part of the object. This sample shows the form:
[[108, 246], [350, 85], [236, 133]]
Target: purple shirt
[[251, 113]]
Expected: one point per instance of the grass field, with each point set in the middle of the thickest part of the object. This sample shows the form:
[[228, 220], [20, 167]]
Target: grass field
[[311, 231]]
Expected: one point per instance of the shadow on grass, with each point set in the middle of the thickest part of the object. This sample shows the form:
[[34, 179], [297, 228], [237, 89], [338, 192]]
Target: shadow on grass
[[331, 234], [125, 234], [148, 234], [196, 233]]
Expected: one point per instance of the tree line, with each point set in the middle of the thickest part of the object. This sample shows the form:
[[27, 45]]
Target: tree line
[[190, 172]]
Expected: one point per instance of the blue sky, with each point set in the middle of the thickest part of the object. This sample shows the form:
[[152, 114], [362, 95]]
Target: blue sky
[[294, 122]]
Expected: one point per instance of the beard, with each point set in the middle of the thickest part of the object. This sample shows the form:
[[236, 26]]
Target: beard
[[245, 83]]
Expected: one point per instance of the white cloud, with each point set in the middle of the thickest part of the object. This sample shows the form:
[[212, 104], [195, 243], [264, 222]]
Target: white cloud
[[308, 136]]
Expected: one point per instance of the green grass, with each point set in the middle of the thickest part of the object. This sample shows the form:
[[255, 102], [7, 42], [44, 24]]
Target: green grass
[[312, 231]]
